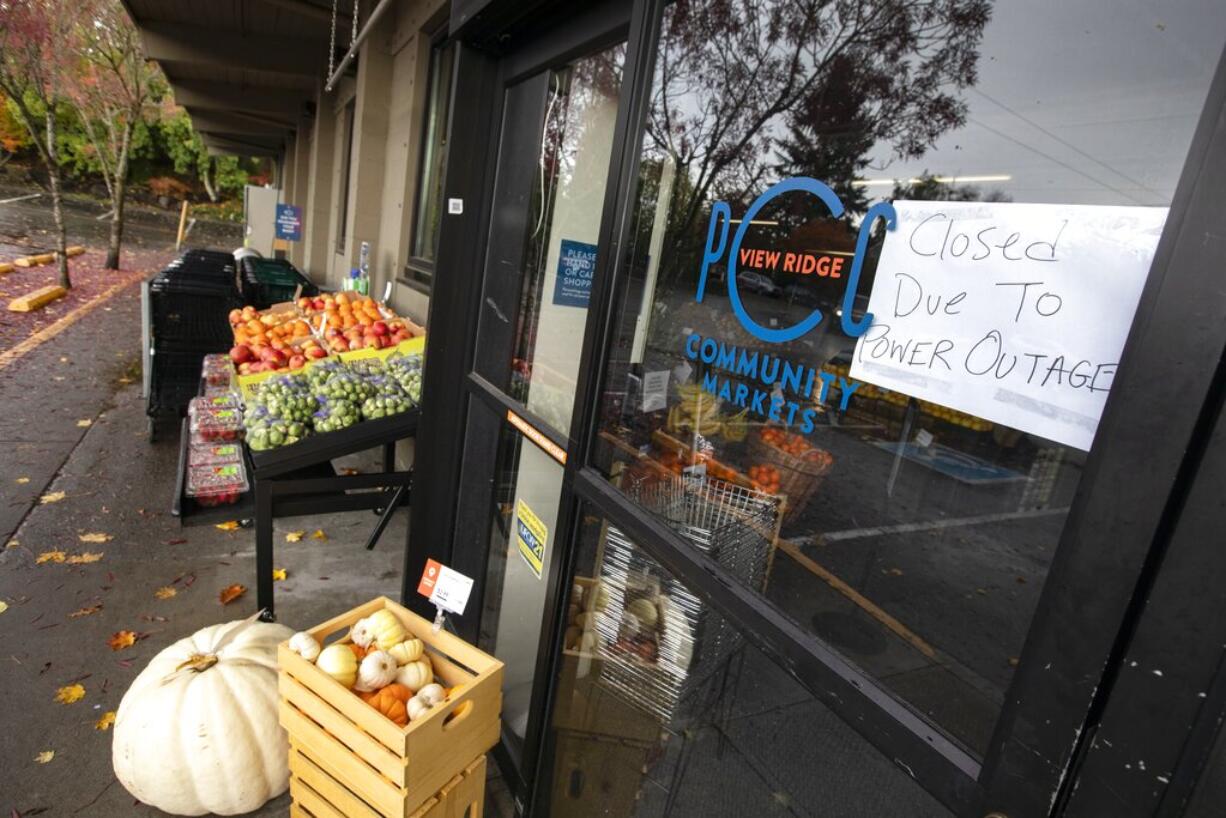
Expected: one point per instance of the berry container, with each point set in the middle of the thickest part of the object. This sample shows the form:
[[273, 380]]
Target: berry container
[[217, 370], [214, 421], [217, 485], [212, 454]]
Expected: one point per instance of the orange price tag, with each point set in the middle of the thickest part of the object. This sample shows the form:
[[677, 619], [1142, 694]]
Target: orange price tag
[[429, 577]]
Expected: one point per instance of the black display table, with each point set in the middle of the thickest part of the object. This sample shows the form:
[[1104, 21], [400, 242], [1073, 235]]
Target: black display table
[[299, 480]]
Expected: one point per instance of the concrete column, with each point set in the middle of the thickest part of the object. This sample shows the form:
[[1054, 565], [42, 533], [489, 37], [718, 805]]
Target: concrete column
[[302, 184], [368, 169], [317, 250]]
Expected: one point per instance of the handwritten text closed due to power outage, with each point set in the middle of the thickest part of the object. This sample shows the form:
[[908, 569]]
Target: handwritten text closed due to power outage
[[1014, 313]]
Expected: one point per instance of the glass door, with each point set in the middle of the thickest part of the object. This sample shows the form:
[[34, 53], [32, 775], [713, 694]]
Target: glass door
[[554, 154]]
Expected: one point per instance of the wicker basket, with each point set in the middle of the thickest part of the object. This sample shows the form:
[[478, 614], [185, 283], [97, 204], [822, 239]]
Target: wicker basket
[[799, 479]]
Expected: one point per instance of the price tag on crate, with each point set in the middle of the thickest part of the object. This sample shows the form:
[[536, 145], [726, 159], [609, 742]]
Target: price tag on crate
[[446, 588]]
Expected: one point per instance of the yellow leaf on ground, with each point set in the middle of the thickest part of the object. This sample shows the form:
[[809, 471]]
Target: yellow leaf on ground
[[45, 756], [165, 592], [92, 609], [294, 536], [85, 423], [231, 593], [51, 556], [228, 525], [4, 606], [319, 535], [278, 574], [84, 557], [70, 694], [96, 536], [52, 497], [122, 639], [23, 480], [105, 721], [12, 544]]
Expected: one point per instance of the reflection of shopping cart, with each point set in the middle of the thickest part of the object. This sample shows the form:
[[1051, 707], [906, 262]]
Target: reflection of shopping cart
[[653, 665]]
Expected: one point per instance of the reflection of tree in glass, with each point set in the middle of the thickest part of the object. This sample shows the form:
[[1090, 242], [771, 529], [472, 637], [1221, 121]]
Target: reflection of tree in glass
[[748, 89], [927, 189]]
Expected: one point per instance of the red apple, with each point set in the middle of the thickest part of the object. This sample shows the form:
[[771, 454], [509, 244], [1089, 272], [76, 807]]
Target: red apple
[[297, 362], [379, 328], [319, 303], [240, 353], [304, 303], [397, 337], [371, 343], [315, 352]]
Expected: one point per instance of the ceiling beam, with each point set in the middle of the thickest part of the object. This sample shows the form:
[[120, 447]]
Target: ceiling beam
[[308, 9], [236, 123], [227, 144], [177, 43], [219, 96]]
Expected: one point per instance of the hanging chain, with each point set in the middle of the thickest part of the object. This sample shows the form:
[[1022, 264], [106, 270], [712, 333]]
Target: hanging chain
[[332, 41], [353, 38]]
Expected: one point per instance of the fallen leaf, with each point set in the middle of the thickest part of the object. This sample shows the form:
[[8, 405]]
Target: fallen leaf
[[177, 541], [92, 609], [165, 592], [105, 721], [231, 593], [4, 606], [319, 535], [895, 572], [51, 556], [348, 471], [96, 536], [294, 536], [228, 525], [85, 423], [12, 544], [84, 557], [53, 497], [70, 694], [278, 574], [122, 639], [45, 756], [23, 480]]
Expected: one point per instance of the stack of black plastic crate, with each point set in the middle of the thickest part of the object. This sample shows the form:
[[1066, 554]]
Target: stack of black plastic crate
[[189, 306]]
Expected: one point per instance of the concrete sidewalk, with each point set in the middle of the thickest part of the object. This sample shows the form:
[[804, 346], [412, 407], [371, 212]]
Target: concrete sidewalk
[[116, 483]]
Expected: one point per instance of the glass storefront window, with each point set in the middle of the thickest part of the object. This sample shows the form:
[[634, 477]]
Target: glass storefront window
[[541, 323], [428, 214], [916, 510], [663, 709]]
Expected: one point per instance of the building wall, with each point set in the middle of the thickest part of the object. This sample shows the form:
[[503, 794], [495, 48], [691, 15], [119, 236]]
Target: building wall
[[389, 90]]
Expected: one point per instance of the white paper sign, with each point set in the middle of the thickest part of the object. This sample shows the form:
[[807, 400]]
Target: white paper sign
[[655, 390], [451, 590], [1015, 313]]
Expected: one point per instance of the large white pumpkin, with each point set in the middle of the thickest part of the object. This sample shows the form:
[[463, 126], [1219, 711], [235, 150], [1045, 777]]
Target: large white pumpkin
[[197, 731]]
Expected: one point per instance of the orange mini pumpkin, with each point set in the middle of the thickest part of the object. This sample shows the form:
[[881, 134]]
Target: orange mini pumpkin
[[388, 703], [358, 651]]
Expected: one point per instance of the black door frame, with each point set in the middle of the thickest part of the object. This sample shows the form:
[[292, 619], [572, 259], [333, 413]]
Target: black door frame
[[1101, 576]]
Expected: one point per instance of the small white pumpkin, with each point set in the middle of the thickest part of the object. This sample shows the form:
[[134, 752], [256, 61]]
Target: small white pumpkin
[[432, 694], [588, 620], [385, 629], [339, 662], [361, 634], [416, 675], [305, 646], [410, 650], [197, 731], [416, 708], [646, 611], [377, 670]]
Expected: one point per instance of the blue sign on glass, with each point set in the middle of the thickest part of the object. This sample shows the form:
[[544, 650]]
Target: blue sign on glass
[[576, 266], [289, 222]]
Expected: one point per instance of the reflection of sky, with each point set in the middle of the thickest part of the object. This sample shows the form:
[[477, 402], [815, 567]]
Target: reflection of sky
[[1089, 102]]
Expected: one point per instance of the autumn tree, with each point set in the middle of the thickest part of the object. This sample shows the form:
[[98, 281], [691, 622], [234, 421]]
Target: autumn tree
[[33, 34], [115, 90], [747, 90], [218, 174]]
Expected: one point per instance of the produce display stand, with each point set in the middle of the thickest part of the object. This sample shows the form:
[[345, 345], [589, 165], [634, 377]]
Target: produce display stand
[[347, 758], [298, 480], [279, 488]]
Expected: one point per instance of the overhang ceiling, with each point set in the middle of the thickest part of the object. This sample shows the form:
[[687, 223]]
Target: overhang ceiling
[[246, 70]]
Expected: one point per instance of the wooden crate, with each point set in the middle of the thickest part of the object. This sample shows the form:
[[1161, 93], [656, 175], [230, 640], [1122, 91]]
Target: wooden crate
[[316, 794], [393, 769]]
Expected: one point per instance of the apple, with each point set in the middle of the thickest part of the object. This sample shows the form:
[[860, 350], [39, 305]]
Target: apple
[[240, 353], [304, 303], [371, 343], [315, 352], [319, 304], [397, 337], [379, 328], [297, 362]]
